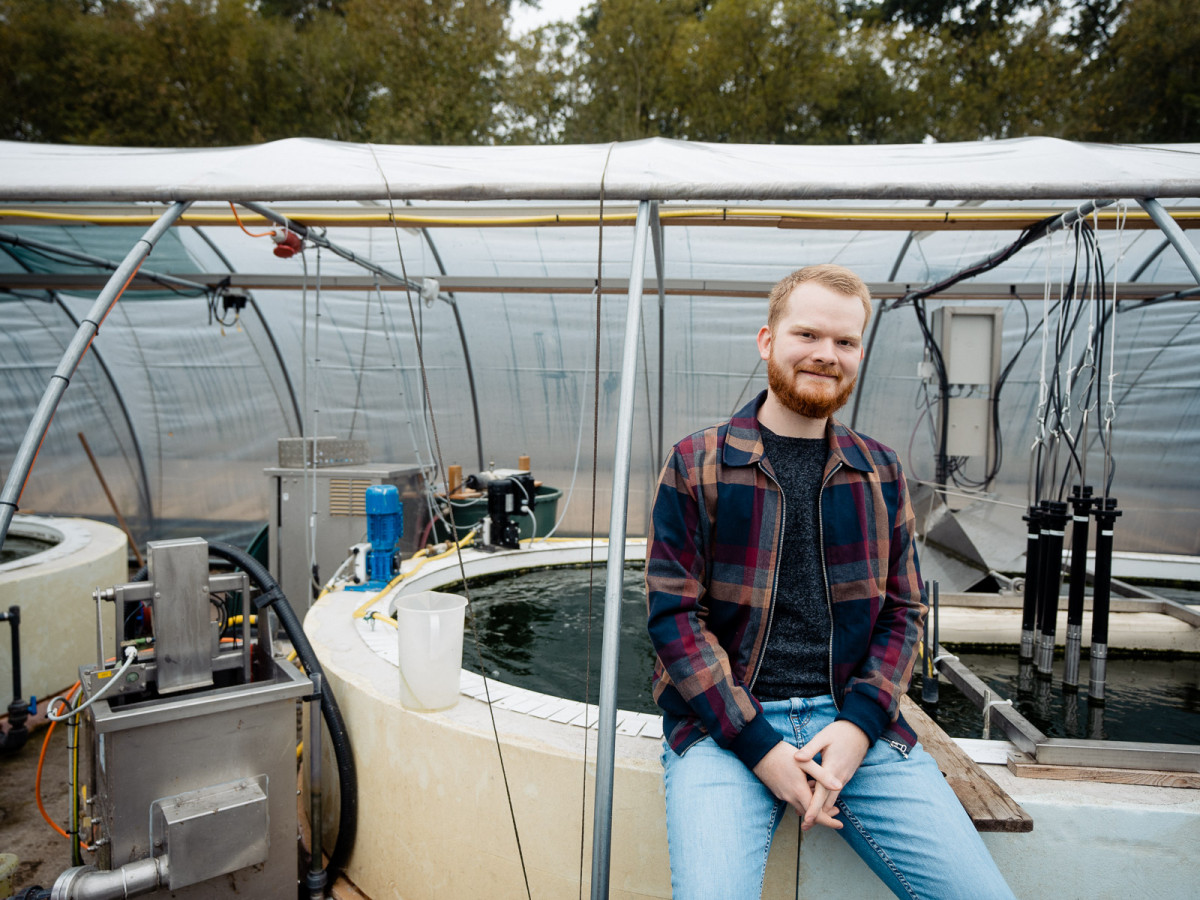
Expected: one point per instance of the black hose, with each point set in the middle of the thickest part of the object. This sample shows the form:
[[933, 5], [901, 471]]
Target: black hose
[[272, 596]]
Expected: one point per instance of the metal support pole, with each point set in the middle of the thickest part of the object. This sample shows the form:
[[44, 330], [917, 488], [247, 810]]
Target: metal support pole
[[1081, 507], [660, 273], [1050, 565], [1106, 514], [1162, 218], [10, 496], [607, 736], [318, 238], [1030, 608]]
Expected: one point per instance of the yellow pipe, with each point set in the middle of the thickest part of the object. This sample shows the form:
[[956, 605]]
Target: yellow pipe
[[932, 216]]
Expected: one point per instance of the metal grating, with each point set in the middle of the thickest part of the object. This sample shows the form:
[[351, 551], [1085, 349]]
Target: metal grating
[[347, 496]]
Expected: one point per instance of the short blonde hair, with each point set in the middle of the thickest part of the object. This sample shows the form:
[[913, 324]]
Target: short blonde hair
[[834, 277]]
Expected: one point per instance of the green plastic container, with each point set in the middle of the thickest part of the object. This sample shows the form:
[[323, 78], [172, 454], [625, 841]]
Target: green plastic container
[[469, 512]]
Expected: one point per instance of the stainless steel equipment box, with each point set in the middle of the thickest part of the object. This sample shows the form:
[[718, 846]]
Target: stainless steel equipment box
[[212, 831], [340, 520], [150, 760]]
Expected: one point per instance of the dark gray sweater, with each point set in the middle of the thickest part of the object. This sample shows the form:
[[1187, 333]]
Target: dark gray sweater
[[796, 660]]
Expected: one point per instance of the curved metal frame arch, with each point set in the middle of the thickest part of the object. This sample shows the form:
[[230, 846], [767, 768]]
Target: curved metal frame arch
[[144, 489]]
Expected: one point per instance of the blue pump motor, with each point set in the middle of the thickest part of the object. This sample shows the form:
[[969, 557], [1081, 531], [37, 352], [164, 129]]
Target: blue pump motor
[[385, 527]]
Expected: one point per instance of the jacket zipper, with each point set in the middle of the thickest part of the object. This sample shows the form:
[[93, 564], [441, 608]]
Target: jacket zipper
[[898, 745], [825, 578], [774, 578]]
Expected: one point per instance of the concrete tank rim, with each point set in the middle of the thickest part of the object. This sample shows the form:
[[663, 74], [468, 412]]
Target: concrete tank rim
[[80, 540]]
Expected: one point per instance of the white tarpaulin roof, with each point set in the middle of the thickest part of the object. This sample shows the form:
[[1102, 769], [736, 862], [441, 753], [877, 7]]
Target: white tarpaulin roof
[[309, 169]]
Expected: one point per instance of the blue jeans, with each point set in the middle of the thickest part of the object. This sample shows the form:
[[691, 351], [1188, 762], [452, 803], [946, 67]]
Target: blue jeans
[[897, 813]]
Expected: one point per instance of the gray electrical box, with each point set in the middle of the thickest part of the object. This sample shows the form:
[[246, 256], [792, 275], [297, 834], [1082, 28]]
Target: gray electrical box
[[334, 498], [969, 339]]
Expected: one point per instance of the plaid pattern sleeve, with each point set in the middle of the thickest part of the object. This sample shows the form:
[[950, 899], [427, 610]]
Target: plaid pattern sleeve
[[699, 685], [886, 590]]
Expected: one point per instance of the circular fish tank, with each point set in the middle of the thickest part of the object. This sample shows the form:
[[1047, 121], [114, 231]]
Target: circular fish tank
[[50, 568]]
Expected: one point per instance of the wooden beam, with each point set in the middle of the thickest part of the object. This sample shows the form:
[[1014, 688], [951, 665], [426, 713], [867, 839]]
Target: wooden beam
[[990, 808]]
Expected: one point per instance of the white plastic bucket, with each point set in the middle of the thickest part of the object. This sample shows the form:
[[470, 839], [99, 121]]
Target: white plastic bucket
[[430, 629]]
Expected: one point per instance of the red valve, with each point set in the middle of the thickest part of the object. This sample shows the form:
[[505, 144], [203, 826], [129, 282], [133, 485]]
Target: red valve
[[287, 245]]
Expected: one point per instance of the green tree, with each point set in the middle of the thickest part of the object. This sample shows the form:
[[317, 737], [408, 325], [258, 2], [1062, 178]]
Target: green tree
[[1011, 80], [723, 70], [1144, 81], [435, 66], [785, 72], [221, 72]]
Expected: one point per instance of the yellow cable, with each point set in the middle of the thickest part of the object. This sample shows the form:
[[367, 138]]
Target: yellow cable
[[932, 216], [237, 620], [380, 617], [465, 542]]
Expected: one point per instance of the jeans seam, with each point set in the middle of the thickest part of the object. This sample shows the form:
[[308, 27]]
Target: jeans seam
[[762, 872], [879, 851]]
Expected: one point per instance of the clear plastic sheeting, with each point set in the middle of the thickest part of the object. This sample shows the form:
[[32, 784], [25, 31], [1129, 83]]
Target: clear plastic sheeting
[[183, 402]]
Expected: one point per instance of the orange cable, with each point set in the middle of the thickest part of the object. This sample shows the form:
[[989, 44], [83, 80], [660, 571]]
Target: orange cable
[[37, 783], [243, 227]]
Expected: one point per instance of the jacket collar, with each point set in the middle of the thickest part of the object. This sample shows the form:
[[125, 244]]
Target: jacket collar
[[744, 444]]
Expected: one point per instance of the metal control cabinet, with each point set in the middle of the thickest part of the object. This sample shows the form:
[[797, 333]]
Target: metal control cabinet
[[340, 521], [150, 760], [969, 338]]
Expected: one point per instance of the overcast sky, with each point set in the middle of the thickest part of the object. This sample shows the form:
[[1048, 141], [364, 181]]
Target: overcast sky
[[526, 18]]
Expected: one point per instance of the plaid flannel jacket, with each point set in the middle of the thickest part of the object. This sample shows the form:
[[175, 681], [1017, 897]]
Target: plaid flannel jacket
[[710, 578]]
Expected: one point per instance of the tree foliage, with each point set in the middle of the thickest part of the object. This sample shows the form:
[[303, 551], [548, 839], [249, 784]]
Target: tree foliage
[[223, 72]]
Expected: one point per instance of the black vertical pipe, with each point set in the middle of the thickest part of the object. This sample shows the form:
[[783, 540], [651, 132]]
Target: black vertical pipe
[[14, 739], [14, 621], [1050, 564], [1081, 507], [1029, 611], [1106, 514], [929, 683]]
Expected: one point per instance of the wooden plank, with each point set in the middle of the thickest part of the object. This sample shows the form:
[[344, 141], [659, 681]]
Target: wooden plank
[[990, 808], [1024, 766]]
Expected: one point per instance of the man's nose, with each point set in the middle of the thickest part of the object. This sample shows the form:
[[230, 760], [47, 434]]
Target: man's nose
[[825, 350]]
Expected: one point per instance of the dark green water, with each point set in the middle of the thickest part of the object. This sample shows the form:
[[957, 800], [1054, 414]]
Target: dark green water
[[533, 632], [18, 547]]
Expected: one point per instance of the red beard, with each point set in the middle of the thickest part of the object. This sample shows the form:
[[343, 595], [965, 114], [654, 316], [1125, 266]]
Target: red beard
[[813, 401]]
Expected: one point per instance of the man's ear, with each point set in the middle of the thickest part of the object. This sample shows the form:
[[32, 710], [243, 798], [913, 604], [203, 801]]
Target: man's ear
[[764, 342]]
